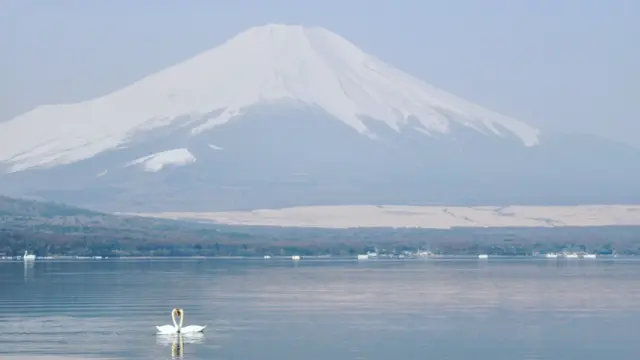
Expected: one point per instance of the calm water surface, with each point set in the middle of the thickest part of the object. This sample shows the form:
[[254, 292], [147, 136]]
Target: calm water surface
[[277, 309]]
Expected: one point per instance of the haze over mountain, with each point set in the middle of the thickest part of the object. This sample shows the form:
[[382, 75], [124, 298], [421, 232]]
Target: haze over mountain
[[286, 115]]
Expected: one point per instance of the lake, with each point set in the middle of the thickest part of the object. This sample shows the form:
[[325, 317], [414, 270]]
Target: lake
[[323, 309]]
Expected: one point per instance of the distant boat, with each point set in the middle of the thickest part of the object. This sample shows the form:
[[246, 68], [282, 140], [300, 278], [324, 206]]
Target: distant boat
[[28, 257], [295, 257], [267, 256], [483, 256]]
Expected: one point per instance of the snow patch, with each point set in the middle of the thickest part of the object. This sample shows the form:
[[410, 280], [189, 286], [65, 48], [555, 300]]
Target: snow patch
[[158, 161], [219, 120]]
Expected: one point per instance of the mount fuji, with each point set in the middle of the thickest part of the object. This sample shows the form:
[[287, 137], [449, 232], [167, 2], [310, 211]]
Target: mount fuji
[[285, 115]]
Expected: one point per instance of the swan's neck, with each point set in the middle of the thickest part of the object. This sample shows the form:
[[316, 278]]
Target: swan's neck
[[177, 325]]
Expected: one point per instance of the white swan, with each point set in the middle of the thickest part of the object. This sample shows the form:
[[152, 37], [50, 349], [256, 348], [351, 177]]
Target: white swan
[[28, 257], [177, 328]]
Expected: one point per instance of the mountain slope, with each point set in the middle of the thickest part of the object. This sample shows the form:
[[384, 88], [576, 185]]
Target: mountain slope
[[259, 66], [283, 116]]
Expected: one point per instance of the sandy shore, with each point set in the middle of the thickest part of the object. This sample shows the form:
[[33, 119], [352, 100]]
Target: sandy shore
[[435, 217]]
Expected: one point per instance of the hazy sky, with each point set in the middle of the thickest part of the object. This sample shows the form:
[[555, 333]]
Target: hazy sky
[[566, 65]]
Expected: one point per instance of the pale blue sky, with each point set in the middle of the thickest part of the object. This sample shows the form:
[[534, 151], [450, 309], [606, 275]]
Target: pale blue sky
[[566, 65]]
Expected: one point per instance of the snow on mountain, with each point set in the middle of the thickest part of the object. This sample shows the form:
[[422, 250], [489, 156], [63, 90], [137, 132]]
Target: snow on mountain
[[158, 161], [262, 65]]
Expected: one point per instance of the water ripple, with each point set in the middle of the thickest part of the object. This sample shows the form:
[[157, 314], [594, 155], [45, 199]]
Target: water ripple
[[321, 309]]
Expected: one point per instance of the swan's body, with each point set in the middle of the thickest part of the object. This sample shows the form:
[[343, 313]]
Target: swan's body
[[177, 328]]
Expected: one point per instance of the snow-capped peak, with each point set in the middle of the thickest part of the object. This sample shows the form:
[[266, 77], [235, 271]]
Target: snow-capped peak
[[261, 65]]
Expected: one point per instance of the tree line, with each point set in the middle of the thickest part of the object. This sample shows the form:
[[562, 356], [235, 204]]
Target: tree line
[[49, 240]]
